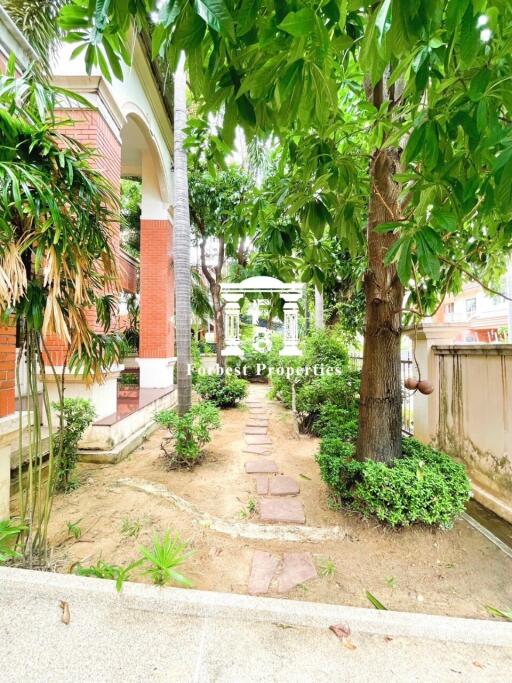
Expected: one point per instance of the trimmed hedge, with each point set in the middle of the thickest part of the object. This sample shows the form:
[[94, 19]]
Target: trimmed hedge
[[224, 391], [425, 486]]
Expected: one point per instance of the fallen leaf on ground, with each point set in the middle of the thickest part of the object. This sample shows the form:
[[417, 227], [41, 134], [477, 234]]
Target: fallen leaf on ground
[[349, 645], [65, 617], [340, 630]]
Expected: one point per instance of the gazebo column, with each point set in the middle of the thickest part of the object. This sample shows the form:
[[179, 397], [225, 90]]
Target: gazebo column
[[291, 325], [156, 343], [232, 326]]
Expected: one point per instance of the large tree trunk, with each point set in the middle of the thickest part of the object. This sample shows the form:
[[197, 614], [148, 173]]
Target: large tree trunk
[[182, 244], [380, 411], [319, 310]]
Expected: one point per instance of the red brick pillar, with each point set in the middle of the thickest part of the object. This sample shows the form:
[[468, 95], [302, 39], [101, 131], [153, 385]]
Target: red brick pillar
[[7, 369], [156, 345]]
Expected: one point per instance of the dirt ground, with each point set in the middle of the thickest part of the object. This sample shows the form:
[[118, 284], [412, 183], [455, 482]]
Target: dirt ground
[[454, 572]]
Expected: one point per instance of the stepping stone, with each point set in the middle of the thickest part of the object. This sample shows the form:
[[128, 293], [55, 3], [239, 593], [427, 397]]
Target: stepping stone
[[288, 510], [262, 486], [257, 423], [255, 430], [258, 450], [283, 486], [297, 568], [262, 467], [257, 439], [256, 404], [263, 569]]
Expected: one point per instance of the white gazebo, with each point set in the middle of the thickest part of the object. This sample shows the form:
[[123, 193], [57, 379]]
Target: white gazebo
[[232, 292]]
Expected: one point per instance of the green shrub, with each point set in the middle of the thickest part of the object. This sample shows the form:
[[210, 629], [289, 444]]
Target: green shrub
[[335, 421], [189, 434], [224, 391], [425, 486], [76, 415], [322, 378]]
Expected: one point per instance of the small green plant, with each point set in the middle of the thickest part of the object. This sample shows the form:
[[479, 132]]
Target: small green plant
[[103, 570], [76, 415], [327, 568], [8, 533], [162, 558], [129, 378], [249, 510], [74, 530], [189, 433], [390, 580], [375, 601], [495, 612], [131, 527], [223, 391]]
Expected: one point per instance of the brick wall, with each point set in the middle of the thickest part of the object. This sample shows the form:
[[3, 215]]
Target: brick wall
[[7, 369], [91, 129], [156, 290]]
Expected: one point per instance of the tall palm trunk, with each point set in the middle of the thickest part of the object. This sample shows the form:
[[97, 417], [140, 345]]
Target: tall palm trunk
[[182, 243], [319, 310]]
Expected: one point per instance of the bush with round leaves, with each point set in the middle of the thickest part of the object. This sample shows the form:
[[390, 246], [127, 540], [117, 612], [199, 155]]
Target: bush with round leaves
[[224, 391]]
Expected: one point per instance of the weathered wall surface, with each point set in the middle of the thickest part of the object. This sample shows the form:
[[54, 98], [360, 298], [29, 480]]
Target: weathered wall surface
[[474, 416]]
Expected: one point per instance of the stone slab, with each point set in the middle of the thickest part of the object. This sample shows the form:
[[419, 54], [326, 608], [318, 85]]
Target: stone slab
[[257, 450], [257, 439], [255, 430], [262, 486], [257, 423], [297, 568], [261, 467], [256, 404], [283, 486], [278, 510], [263, 569]]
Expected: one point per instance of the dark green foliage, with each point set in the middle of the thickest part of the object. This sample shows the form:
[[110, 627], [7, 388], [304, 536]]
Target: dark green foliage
[[75, 416], [189, 433], [326, 389], [425, 486], [224, 391]]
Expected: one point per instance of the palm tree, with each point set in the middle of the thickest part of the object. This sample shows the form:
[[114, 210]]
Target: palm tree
[[182, 243], [56, 263]]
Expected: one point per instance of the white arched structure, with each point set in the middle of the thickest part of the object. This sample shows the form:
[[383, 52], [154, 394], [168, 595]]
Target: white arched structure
[[232, 292]]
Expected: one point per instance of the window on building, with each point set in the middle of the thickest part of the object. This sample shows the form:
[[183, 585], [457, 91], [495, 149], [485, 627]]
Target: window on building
[[470, 305], [449, 308]]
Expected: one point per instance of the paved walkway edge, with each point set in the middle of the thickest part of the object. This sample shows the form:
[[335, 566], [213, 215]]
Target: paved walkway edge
[[85, 593]]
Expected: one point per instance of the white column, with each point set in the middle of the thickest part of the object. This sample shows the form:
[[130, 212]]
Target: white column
[[291, 325], [232, 326]]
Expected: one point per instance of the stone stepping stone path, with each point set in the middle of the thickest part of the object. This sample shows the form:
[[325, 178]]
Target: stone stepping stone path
[[257, 450], [260, 466], [280, 485], [293, 570], [285, 511], [257, 439], [278, 504], [263, 568], [297, 568]]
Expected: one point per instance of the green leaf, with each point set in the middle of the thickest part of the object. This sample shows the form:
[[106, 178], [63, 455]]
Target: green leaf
[[375, 602], [299, 23], [216, 14], [445, 219], [469, 38], [428, 261], [404, 265], [479, 84], [414, 144]]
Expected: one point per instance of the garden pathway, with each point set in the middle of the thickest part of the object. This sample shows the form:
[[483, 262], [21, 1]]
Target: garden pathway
[[277, 501]]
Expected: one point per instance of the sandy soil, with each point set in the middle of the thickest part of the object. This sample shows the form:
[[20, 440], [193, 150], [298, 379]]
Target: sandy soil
[[453, 572]]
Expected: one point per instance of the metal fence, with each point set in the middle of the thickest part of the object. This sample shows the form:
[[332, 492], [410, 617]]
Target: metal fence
[[406, 370]]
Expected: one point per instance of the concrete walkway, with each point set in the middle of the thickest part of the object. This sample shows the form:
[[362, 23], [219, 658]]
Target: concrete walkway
[[151, 634]]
